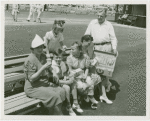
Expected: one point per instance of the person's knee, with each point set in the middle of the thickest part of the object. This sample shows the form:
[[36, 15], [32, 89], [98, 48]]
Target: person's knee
[[74, 85], [56, 96], [66, 87]]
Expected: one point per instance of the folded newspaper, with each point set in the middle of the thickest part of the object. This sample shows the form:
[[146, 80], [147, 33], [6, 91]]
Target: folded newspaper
[[105, 62]]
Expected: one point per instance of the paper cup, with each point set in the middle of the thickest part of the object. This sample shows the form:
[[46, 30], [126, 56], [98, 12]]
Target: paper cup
[[49, 61]]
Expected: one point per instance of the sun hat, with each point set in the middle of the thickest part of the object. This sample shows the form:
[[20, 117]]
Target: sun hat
[[37, 41]]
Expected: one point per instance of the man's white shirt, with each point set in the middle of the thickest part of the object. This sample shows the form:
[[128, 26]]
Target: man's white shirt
[[102, 33]]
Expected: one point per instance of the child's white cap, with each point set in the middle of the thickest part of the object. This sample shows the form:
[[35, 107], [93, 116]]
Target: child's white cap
[[37, 41]]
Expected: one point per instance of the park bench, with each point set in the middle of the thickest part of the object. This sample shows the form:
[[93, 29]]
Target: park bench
[[131, 20], [16, 101], [122, 18]]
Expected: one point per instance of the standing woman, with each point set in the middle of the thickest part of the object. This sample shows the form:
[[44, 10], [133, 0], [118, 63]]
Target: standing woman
[[15, 11], [54, 38], [100, 87], [37, 84]]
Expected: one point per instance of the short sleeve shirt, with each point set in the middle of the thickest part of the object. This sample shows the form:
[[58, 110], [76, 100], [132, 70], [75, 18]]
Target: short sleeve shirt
[[53, 41], [76, 63], [31, 66]]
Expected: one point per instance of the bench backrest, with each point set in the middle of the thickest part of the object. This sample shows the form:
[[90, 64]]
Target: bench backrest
[[130, 17], [134, 18], [14, 64], [14, 76]]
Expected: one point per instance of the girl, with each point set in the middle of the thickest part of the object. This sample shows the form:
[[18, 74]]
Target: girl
[[54, 38], [78, 60]]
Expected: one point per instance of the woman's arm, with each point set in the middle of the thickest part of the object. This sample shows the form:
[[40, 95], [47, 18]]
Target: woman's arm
[[36, 75]]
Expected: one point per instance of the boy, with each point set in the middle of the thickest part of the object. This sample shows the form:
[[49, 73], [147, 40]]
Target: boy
[[60, 72]]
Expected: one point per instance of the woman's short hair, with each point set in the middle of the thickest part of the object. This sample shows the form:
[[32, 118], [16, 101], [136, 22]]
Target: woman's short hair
[[86, 38]]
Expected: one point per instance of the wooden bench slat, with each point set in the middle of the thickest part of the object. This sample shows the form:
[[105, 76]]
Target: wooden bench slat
[[19, 102], [14, 57], [11, 74], [9, 81], [15, 61], [19, 76], [28, 111], [15, 99], [15, 69], [14, 96], [21, 106]]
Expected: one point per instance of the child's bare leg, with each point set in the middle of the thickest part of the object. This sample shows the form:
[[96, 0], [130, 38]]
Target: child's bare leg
[[91, 93], [67, 89], [69, 108], [74, 93]]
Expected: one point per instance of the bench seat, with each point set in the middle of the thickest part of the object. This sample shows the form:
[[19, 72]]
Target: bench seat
[[14, 104]]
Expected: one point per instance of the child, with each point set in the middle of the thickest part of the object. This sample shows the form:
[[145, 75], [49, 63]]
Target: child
[[59, 70], [54, 38], [79, 60], [15, 11]]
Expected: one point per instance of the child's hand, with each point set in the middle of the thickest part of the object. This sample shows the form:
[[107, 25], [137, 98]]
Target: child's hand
[[84, 76], [46, 65], [71, 80], [64, 47]]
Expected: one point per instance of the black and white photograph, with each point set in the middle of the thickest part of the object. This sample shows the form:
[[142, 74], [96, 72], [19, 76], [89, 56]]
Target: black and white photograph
[[74, 59]]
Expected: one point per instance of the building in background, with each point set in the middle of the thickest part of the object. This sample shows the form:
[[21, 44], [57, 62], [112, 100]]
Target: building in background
[[134, 10]]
